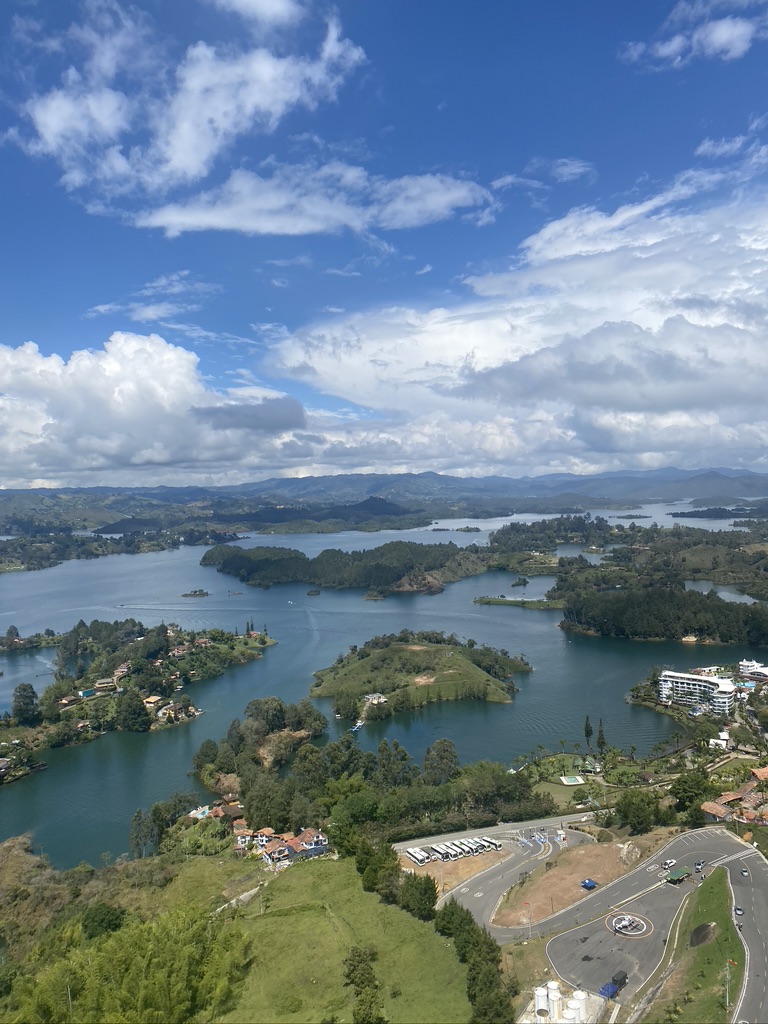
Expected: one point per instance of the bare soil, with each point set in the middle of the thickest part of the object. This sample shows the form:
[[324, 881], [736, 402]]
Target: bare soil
[[549, 890], [449, 874]]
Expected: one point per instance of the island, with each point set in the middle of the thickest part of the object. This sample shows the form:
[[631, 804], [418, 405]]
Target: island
[[401, 672]]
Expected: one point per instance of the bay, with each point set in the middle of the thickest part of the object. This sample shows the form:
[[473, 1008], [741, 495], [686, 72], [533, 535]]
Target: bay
[[81, 806]]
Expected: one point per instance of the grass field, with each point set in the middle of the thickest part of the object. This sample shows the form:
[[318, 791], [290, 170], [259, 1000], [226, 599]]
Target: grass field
[[302, 927], [695, 992]]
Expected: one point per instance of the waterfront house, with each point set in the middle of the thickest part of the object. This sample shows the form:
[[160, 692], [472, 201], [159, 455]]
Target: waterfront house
[[154, 703]]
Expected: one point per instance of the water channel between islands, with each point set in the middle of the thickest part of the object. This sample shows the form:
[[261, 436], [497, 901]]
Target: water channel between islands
[[81, 807]]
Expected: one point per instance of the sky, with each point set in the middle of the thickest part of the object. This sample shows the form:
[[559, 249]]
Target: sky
[[253, 238]]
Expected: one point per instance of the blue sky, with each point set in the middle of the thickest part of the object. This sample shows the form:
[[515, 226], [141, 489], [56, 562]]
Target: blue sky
[[248, 238]]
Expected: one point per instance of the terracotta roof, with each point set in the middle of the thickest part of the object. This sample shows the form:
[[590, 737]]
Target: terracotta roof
[[716, 810], [761, 774], [274, 846], [727, 798]]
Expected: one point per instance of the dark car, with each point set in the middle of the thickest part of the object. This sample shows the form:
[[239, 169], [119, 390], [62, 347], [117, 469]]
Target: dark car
[[620, 979]]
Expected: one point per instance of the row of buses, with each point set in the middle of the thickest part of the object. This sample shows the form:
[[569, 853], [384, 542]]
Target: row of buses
[[452, 851]]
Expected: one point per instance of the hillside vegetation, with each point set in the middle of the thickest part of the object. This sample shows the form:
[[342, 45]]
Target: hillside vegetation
[[413, 669]]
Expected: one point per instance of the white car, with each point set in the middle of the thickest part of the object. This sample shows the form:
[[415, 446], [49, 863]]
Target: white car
[[668, 864]]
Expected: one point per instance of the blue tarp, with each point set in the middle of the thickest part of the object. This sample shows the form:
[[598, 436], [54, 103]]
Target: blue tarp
[[588, 884], [609, 991]]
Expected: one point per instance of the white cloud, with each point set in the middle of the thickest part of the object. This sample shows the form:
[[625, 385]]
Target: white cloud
[[619, 338], [721, 147], [426, 269], [270, 12], [304, 199], [693, 30], [279, 282], [122, 119], [728, 38], [120, 412], [570, 168]]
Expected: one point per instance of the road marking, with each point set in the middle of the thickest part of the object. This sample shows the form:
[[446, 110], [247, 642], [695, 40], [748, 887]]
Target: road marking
[[464, 889], [478, 894]]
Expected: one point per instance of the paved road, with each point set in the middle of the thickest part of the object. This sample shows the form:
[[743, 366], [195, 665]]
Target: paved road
[[586, 952]]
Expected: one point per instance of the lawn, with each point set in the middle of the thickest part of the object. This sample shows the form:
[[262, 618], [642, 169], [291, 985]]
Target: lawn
[[706, 940], [302, 926]]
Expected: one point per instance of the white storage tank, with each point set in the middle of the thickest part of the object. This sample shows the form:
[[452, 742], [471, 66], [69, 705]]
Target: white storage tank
[[540, 1004], [580, 996], [568, 1017], [575, 1006], [554, 999]]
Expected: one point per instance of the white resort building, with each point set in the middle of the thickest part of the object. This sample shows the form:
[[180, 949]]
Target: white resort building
[[691, 689]]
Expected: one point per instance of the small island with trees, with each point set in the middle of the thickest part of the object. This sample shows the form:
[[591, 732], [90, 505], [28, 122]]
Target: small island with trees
[[401, 672]]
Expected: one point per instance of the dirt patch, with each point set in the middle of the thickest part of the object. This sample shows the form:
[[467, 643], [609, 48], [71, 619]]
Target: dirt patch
[[548, 890], [701, 934], [424, 679], [415, 647], [449, 874]]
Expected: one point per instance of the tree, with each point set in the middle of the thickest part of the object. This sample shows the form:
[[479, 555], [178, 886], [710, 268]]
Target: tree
[[588, 731], [637, 810], [131, 715], [24, 706], [601, 744], [11, 634], [358, 968], [368, 1008], [418, 895], [100, 918], [441, 763]]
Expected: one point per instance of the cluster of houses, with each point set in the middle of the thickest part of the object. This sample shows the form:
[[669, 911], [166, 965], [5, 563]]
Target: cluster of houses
[[162, 708], [277, 849], [745, 804]]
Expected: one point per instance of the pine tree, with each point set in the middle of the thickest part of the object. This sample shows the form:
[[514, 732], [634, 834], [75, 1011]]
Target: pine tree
[[601, 744], [587, 731]]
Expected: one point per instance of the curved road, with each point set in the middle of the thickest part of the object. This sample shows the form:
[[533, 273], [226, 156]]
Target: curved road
[[585, 951]]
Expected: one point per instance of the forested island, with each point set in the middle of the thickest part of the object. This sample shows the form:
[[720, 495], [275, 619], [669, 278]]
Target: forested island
[[396, 567], [42, 549], [405, 671]]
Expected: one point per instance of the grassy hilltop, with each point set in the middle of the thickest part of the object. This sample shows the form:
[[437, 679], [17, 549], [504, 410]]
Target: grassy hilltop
[[413, 669]]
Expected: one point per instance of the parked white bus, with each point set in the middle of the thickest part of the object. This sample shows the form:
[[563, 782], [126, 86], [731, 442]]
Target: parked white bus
[[418, 856], [492, 844], [477, 846], [456, 849], [440, 852], [449, 851]]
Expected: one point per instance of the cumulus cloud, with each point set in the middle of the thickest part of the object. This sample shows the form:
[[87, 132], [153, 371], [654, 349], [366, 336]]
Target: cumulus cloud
[[306, 199], [135, 405], [548, 367]]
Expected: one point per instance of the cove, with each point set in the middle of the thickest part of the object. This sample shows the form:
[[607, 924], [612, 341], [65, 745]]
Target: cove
[[81, 807]]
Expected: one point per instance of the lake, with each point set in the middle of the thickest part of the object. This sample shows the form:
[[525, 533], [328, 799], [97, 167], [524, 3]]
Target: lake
[[81, 807]]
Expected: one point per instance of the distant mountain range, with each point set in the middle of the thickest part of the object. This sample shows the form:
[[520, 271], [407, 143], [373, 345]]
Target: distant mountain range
[[367, 501], [669, 484]]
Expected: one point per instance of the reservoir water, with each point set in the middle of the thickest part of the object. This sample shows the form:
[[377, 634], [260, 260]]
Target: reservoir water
[[81, 807]]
